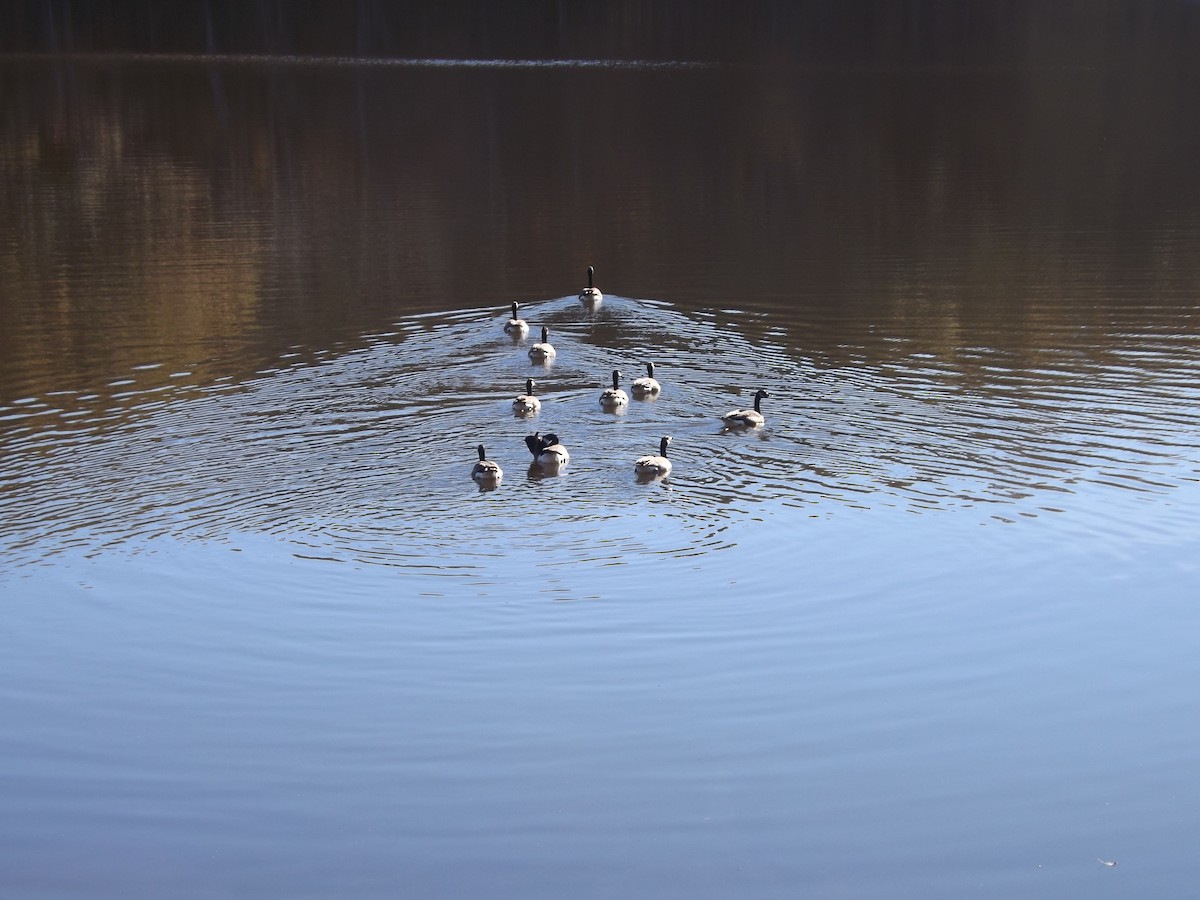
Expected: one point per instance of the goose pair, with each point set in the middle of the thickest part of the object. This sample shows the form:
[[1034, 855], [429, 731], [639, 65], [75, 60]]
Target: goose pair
[[546, 449], [589, 296], [543, 350], [615, 398], [517, 327]]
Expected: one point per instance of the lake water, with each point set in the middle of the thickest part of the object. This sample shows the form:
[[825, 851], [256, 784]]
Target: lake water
[[929, 632]]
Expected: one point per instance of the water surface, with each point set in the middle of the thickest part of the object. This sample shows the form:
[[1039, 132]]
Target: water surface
[[925, 633]]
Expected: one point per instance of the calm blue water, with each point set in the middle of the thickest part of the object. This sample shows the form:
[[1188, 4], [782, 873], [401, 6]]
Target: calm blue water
[[928, 633]]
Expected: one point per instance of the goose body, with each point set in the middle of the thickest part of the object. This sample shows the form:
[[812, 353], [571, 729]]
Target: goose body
[[516, 325], [547, 450], [526, 404], [590, 295], [654, 466], [647, 385], [542, 351], [614, 397], [485, 471], [746, 418]]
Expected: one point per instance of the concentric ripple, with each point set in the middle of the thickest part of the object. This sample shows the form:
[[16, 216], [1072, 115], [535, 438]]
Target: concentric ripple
[[363, 456]]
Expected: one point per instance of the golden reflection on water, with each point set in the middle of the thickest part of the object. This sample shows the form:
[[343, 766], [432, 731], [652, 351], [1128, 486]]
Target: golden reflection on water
[[178, 215]]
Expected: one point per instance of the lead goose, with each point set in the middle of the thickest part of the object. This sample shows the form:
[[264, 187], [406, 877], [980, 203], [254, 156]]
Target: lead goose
[[590, 295], [526, 404], [644, 387], [654, 466], [746, 418], [516, 325], [614, 397], [547, 451], [542, 351], [485, 471]]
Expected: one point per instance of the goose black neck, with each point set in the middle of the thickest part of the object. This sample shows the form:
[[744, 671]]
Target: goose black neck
[[528, 385], [616, 379], [590, 274], [481, 453]]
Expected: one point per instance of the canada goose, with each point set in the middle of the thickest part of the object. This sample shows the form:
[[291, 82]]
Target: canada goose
[[486, 471], [546, 450], [590, 295], [614, 397], [746, 418], [642, 387], [526, 403], [654, 466], [542, 351], [516, 325]]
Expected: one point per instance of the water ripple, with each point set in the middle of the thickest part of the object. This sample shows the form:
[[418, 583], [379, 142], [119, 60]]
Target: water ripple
[[362, 455]]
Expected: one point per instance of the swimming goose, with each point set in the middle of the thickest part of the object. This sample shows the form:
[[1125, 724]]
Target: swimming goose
[[655, 466], [590, 295], [486, 471], [642, 387], [746, 418], [516, 325], [542, 351], [614, 397], [527, 404], [547, 451]]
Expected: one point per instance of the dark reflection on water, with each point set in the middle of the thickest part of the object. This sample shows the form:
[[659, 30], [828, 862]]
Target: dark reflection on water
[[185, 215]]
